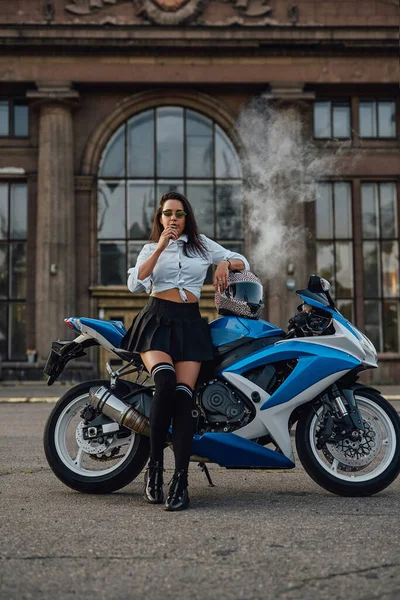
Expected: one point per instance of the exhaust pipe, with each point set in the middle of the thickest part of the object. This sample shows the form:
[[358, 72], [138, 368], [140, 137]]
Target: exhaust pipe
[[115, 408]]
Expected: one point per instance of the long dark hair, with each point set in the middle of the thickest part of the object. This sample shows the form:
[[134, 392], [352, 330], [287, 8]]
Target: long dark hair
[[194, 246]]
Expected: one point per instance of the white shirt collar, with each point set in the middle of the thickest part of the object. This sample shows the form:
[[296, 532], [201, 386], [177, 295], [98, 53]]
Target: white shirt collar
[[181, 238]]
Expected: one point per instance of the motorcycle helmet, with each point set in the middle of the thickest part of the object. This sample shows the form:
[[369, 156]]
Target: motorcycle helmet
[[243, 297]]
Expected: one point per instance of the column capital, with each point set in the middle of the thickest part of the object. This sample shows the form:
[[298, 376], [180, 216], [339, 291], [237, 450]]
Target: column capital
[[54, 92], [288, 91]]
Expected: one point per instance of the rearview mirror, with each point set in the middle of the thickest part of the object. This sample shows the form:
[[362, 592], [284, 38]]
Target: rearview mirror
[[318, 284]]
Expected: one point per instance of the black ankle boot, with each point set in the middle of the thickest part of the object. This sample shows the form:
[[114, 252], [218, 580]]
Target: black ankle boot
[[153, 483], [178, 497]]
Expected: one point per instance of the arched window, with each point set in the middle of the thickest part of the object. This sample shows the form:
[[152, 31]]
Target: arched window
[[158, 150]]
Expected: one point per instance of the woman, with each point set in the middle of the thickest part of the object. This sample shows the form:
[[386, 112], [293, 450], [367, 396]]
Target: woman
[[170, 334]]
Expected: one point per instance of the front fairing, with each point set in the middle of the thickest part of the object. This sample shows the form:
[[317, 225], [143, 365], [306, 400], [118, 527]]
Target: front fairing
[[367, 352]]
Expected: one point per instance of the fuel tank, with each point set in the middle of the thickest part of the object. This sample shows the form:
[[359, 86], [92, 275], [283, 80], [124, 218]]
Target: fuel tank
[[226, 330]]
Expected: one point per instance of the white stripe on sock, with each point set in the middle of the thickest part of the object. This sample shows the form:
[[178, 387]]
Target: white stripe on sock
[[184, 388], [162, 368]]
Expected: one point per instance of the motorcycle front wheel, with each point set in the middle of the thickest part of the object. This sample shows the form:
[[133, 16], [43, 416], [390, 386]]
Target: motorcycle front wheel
[[99, 468], [353, 468]]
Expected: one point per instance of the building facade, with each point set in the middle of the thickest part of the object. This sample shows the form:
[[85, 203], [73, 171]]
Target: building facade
[[106, 104]]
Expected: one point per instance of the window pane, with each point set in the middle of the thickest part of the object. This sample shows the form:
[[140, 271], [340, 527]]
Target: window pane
[[322, 120], [111, 209], [200, 196], [19, 210], [141, 145], [229, 210], [21, 120], [391, 326], [226, 159], [367, 119], [387, 119], [164, 186], [112, 163], [170, 142], [3, 271], [343, 218], [324, 212], [3, 211], [341, 120], [372, 276], [134, 249], [388, 210], [140, 209], [373, 325], [344, 270], [18, 270], [4, 119], [370, 210], [346, 307], [3, 331], [113, 269], [325, 262], [17, 332], [390, 268], [199, 145]]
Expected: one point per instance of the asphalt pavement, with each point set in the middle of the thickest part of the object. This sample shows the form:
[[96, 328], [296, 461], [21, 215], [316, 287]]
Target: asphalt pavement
[[255, 535]]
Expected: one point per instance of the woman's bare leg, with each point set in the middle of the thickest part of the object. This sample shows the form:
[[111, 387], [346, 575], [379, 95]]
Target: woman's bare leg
[[153, 357], [187, 372]]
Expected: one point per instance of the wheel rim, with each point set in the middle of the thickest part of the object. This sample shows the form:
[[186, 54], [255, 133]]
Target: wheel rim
[[354, 465], [71, 453]]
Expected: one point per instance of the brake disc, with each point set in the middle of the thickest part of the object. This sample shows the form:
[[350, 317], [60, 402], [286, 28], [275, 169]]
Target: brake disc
[[357, 454], [109, 455], [89, 446]]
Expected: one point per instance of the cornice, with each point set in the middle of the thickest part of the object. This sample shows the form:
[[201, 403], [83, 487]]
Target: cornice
[[95, 37]]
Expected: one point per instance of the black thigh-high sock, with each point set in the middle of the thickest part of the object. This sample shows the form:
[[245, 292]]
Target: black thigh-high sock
[[161, 408], [182, 426]]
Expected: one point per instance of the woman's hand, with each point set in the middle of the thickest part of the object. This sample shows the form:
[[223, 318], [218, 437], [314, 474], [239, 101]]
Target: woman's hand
[[221, 276], [169, 233]]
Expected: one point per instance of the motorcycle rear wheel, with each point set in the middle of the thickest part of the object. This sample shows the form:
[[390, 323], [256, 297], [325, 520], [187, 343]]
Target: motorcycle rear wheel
[[344, 469], [67, 463]]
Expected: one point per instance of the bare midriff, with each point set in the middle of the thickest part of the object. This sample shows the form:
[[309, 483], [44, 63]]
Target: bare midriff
[[174, 296]]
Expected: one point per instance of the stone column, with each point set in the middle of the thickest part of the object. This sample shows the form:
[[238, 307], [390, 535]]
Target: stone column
[[55, 229], [281, 300]]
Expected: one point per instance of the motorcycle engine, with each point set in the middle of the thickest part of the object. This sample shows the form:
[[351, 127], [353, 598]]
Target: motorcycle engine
[[221, 408]]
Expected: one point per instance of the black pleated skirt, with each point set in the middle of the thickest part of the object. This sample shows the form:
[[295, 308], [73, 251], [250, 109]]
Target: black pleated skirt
[[172, 327]]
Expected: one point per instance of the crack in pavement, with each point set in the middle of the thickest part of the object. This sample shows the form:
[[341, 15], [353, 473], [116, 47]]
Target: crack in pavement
[[25, 472], [93, 557], [342, 574]]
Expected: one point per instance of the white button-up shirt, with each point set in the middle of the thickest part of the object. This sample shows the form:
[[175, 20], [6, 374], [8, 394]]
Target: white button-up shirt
[[175, 270]]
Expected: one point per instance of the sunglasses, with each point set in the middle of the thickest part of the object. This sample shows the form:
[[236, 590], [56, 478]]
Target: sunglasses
[[179, 213]]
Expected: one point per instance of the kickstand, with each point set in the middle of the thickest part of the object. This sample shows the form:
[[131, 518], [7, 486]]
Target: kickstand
[[205, 470]]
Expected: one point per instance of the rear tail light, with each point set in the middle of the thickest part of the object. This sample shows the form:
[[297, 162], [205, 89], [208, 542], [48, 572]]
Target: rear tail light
[[72, 323]]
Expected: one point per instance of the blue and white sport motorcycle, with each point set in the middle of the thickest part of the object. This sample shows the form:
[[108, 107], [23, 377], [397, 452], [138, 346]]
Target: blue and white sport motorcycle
[[262, 382]]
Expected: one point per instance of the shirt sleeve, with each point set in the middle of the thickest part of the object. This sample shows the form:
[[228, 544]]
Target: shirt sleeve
[[134, 283], [218, 253]]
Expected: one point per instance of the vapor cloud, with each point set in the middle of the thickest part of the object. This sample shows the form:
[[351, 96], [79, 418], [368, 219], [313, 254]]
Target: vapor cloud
[[281, 169]]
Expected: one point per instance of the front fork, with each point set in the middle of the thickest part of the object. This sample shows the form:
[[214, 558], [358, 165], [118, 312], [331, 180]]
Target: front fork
[[337, 413]]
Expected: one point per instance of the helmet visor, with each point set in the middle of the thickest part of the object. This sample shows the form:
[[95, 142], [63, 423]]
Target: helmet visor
[[245, 291]]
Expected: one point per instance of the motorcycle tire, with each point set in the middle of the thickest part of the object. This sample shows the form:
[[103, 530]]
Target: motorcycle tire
[[344, 484], [121, 476]]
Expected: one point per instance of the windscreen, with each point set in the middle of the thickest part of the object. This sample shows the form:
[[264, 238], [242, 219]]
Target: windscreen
[[246, 291]]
